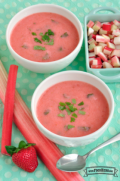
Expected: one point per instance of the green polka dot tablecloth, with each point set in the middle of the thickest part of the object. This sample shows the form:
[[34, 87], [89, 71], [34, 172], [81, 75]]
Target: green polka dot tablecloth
[[27, 81]]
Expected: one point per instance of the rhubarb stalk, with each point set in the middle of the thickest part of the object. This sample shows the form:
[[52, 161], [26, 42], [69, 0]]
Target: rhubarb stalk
[[48, 152], [8, 109]]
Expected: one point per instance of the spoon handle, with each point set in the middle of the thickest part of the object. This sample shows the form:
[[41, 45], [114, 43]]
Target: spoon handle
[[112, 140]]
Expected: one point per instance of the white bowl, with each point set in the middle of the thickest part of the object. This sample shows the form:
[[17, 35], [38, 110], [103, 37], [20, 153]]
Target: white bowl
[[79, 76], [47, 67]]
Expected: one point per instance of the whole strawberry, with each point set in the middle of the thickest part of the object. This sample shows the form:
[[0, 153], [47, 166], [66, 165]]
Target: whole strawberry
[[24, 156]]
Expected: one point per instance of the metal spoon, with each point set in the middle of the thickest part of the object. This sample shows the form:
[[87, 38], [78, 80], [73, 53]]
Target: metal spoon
[[75, 162]]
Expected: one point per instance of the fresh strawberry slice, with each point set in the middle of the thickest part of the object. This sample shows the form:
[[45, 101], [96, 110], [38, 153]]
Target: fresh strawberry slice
[[24, 156]]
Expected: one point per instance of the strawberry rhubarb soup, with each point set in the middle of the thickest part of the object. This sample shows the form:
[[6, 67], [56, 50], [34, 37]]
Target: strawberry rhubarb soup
[[44, 37], [72, 109]]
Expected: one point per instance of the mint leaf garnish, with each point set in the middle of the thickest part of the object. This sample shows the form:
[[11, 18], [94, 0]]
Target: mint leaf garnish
[[67, 103], [39, 48], [81, 103], [72, 119], [62, 104], [51, 42], [71, 108], [74, 115], [61, 115], [82, 112], [70, 126], [61, 107], [41, 34], [46, 38], [68, 111], [74, 101], [34, 34], [37, 40], [50, 32]]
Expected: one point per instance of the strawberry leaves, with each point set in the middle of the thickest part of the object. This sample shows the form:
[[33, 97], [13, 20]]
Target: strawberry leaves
[[10, 149], [22, 145]]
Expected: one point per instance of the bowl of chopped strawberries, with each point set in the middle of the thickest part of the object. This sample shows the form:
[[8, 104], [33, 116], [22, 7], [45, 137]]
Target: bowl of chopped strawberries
[[102, 43]]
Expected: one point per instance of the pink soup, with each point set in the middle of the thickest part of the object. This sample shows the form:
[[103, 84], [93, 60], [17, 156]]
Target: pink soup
[[72, 109], [44, 37]]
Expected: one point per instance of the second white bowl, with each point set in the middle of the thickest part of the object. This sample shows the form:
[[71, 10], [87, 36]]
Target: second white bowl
[[78, 76], [47, 67]]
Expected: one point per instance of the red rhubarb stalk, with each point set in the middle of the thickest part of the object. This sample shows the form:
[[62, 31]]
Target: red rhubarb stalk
[[8, 109], [48, 152]]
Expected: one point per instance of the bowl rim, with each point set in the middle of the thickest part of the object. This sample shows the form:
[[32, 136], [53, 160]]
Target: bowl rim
[[52, 62], [72, 138]]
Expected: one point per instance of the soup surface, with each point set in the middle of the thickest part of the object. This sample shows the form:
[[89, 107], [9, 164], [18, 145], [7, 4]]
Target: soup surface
[[44, 37], [72, 109]]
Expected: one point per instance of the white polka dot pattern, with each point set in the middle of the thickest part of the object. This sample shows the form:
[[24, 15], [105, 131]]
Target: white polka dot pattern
[[27, 81]]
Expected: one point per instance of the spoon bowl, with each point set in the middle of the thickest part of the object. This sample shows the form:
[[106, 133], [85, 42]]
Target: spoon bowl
[[71, 163]]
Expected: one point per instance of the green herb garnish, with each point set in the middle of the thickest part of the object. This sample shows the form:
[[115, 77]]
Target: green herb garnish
[[50, 32], [74, 101], [46, 38], [62, 107], [39, 48], [37, 40], [68, 111], [64, 35], [68, 103], [82, 112], [75, 108], [74, 115], [70, 126], [61, 115], [41, 34], [33, 33], [71, 108], [89, 95], [51, 42], [72, 119], [81, 103], [62, 104]]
